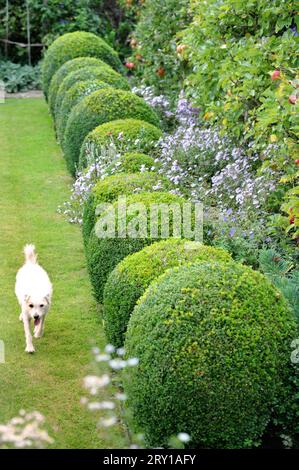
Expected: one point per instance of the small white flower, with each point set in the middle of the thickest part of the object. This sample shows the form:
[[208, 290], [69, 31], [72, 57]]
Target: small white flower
[[121, 396], [98, 405], [109, 349], [295, 344], [102, 357], [93, 382], [117, 364], [107, 422], [133, 361], [120, 351], [184, 437]]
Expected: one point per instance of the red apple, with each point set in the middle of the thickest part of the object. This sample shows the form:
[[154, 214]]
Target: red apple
[[275, 75], [161, 72], [297, 161], [130, 65], [292, 99]]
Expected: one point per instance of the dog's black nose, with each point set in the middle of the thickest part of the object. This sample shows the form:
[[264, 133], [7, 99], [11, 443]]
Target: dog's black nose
[[36, 317]]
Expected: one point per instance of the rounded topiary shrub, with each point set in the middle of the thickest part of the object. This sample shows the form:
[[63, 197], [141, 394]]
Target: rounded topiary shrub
[[111, 187], [103, 73], [132, 162], [104, 252], [213, 343], [100, 107], [213, 346], [133, 275], [128, 134], [64, 70], [71, 98], [72, 45]]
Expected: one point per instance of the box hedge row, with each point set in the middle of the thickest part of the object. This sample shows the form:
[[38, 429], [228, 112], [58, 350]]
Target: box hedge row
[[100, 107], [131, 134], [111, 187]]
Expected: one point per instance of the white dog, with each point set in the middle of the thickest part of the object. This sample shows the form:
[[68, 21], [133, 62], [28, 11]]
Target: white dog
[[34, 293]]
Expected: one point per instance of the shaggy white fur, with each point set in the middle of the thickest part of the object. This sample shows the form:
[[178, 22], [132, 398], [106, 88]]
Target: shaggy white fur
[[34, 293]]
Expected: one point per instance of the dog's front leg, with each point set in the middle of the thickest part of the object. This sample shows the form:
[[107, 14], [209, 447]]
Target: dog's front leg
[[39, 330], [29, 345]]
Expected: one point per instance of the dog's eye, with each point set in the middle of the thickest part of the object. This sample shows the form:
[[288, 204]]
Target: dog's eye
[[42, 305], [31, 305]]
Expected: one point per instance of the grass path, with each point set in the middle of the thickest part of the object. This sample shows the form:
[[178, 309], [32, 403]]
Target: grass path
[[33, 182]]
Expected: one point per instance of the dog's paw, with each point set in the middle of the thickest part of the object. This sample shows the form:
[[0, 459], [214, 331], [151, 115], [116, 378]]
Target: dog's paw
[[37, 334], [30, 349]]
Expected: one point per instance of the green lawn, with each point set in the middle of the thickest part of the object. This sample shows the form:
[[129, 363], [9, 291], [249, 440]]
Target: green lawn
[[33, 182]]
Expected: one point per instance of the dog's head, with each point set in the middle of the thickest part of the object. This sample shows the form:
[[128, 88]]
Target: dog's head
[[37, 308]]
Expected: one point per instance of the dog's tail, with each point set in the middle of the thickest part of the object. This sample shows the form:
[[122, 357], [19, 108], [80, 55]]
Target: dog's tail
[[30, 255]]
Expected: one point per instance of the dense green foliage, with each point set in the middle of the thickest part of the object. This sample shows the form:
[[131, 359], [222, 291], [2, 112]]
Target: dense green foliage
[[234, 47], [72, 45], [52, 18], [112, 187], [104, 73], [155, 46], [103, 254], [133, 134], [213, 343], [132, 276], [18, 77], [100, 107], [282, 274], [132, 162], [70, 66], [72, 97]]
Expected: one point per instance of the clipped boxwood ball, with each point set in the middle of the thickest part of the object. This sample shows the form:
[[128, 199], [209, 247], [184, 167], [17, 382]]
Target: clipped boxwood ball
[[103, 73], [103, 254], [131, 162], [100, 107], [65, 69], [134, 134], [110, 188], [134, 274], [71, 98], [213, 345], [72, 45]]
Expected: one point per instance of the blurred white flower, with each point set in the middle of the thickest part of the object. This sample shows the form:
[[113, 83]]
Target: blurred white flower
[[184, 437], [107, 422], [103, 357], [109, 349], [133, 361], [24, 431]]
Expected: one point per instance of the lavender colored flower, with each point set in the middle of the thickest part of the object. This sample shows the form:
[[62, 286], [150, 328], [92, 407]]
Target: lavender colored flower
[[159, 103]]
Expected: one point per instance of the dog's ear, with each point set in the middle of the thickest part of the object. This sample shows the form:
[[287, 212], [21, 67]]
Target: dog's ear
[[27, 298], [47, 299]]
